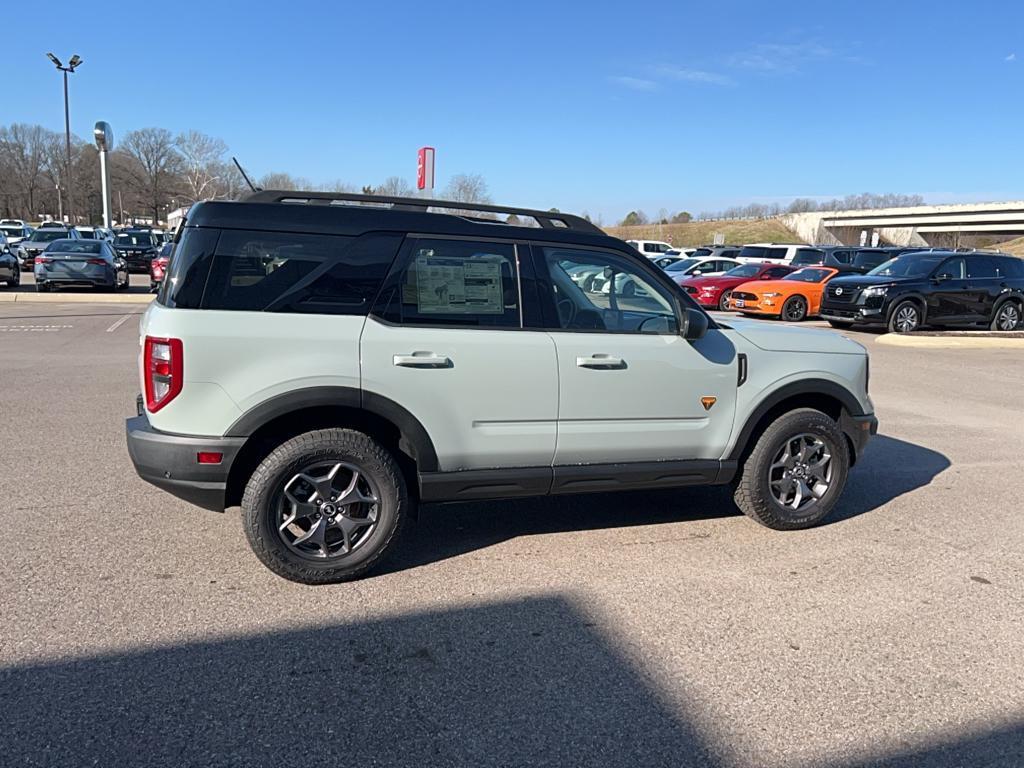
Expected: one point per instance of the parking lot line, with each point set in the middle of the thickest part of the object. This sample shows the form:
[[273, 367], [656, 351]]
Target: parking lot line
[[117, 324]]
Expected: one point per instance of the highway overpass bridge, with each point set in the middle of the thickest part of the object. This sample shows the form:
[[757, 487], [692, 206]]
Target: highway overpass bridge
[[934, 225]]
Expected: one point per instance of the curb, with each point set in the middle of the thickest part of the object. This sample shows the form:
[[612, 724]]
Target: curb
[[79, 298], [966, 341]]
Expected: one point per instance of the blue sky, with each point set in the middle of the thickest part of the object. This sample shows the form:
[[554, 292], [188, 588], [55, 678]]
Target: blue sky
[[590, 106]]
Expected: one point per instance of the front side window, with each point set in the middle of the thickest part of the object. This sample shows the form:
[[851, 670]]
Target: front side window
[[955, 268], [455, 283], [601, 291]]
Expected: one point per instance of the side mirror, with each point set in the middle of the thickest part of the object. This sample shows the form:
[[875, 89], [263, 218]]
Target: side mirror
[[941, 278], [697, 272], [765, 276], [695, 324]]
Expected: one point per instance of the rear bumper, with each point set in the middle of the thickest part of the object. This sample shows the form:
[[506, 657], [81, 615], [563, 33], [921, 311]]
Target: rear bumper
[[169, 462], [859, 429]]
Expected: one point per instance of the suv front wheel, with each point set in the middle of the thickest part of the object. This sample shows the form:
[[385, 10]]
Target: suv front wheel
[[796, 471], [325, 506]]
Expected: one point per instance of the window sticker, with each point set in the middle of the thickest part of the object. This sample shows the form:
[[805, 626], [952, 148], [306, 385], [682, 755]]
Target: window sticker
[[459, 286]]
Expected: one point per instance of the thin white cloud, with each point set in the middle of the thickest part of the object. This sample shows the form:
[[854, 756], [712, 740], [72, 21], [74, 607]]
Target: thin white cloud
[[685, 74], [634, 83], [1011, 57], [780, 58]]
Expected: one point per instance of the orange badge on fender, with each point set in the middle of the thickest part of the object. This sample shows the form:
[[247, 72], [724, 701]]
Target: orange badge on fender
[[707, 402]]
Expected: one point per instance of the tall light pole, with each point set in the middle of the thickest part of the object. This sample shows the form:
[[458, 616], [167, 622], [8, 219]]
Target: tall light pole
[[104, 136], [68, 184]]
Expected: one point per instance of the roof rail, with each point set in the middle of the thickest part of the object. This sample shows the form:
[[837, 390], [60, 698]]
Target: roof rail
[[546, 219]]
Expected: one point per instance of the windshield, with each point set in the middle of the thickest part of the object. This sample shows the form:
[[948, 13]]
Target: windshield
[[909, 265], [809, 275], [743, 270], [48, 235], [702, 252], [682, 265], [134, 238]]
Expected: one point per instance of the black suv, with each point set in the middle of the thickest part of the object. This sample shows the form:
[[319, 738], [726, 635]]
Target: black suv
[[934, 287], [138, 247]]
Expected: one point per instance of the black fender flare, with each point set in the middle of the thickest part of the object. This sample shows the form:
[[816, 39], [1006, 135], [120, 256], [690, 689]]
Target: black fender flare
[[408, 425], [804, 387]]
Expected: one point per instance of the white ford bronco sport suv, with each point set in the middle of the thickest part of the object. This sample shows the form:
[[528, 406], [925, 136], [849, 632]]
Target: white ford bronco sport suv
[[328, 361]]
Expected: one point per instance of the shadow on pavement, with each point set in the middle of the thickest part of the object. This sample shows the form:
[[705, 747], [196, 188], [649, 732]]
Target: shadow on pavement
[[530, 682], [450, 530], [889, 469], [527, 682]]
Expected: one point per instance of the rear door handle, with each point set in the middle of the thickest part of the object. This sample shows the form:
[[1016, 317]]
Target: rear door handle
[[601, 362], [422, 360]]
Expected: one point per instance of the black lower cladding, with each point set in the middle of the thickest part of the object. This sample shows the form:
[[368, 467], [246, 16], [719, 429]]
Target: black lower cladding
[[859, 429], [171, 462], [471, 484]]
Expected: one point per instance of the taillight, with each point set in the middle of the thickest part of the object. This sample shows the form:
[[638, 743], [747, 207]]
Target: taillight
[[43, 259], [162, 371], [97, 262]]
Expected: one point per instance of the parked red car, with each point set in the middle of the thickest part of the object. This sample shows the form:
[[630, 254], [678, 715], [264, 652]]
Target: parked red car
[[158, 267], [713, 291]]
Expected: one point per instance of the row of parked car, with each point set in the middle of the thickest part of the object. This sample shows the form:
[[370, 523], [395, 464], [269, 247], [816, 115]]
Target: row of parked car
[[901, 289], [59, 255]]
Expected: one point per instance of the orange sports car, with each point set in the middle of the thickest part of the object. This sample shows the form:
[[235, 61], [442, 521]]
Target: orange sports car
[[793, 298]]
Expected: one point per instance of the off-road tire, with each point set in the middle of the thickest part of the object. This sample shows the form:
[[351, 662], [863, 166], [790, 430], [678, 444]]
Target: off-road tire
[[753, 495], [346, 445]]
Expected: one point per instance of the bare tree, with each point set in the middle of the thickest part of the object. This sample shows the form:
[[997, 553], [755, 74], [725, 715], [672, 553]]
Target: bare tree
[[203, 160], [23, 150], [394, 186], [156, 167], [467, 188]]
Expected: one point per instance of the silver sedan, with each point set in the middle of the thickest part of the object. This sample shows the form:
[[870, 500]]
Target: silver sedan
[[86, 263]]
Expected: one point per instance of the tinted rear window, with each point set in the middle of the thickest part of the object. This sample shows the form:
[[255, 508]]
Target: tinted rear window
[[1009, 267], [753, 252], [277, 272]]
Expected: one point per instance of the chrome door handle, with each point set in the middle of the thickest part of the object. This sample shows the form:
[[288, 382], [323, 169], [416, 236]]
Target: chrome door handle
[[601, 362], [422, 360]]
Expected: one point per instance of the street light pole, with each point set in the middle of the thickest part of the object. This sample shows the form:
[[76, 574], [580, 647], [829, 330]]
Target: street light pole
[[60, 206], [68, 182]]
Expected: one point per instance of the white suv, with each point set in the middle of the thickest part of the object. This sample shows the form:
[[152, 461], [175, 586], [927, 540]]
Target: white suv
[[328, 366], [779, 253], [652, 249]]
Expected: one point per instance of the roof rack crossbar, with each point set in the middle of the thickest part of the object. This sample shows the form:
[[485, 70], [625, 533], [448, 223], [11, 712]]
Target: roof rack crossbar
[[546, 219]]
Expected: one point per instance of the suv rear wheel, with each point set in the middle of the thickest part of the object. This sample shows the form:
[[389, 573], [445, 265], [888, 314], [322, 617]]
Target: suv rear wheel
[[325, 506], [795, 473]]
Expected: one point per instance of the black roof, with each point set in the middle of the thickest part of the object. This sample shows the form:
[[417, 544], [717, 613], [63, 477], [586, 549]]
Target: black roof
[[353, 215]]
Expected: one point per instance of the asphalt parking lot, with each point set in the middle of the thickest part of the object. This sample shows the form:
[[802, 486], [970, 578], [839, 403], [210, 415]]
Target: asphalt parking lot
[[645, 629]]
